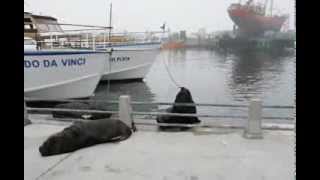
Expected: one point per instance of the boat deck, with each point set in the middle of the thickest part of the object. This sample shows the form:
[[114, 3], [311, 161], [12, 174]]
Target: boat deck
[[148, 154]]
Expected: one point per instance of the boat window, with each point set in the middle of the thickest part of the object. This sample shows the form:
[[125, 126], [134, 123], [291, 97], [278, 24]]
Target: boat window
[[43, 27], [29, 42], [53, 27], [27, 20], [27, 26]]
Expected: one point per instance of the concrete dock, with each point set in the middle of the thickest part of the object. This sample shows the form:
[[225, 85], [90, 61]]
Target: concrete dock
[[193, 155]]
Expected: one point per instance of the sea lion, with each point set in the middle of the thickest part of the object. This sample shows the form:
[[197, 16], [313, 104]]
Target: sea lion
[[183, 96], [84, 134]]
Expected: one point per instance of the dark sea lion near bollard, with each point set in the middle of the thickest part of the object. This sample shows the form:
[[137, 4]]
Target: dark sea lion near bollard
[[85, 134], [183, 96], [80, 115]]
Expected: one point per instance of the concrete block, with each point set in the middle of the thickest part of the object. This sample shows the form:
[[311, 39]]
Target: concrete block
[[253, 129], [125, 110]]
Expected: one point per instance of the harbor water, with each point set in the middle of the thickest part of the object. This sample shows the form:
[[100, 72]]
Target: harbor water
[[213, 77]]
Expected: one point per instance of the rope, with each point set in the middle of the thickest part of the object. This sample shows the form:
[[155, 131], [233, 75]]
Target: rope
[[55, 165], [167, 68], [169, 73]]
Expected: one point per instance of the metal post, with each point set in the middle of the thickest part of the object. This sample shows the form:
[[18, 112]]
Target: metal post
[[104, 40], [51, 40], [125, 110], [87, 40], [93, 42], [253, 129], [56, 40]]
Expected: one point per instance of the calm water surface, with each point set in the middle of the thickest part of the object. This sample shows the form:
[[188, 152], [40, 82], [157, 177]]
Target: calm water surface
[[213, 77]]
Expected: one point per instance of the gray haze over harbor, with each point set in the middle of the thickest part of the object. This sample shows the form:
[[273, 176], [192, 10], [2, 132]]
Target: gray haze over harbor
[[142, 15]]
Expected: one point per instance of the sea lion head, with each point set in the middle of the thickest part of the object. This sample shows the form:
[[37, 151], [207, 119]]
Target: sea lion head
[[51, 146], [184, 96], [61, 142]]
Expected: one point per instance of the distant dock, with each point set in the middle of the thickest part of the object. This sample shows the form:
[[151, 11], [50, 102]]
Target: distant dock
[[228, 40]]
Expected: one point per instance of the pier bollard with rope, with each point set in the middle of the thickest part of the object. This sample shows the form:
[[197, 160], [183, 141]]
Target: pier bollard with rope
[[125, 111], [253, 128]]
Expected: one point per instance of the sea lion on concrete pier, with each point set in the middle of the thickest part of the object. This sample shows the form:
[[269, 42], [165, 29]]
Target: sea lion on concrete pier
[[84, 134], [183, 96]]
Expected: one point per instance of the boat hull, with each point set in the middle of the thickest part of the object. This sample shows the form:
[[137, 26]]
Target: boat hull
[[250, 23], [62, 74], [134, 62]]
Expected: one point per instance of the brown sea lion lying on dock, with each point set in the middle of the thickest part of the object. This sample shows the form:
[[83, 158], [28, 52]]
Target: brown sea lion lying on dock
[[84, 134], [183, 96]]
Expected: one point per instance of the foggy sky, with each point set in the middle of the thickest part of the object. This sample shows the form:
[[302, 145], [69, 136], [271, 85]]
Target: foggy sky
[[142, 15]]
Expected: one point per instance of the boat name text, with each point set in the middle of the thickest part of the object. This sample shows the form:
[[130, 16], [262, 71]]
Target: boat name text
[[117, 59], [69, 62]]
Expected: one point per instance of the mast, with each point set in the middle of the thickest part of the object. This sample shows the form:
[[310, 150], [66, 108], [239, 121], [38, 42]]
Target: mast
[[271, 7], [249, 2], [265, 7], [110, 22]]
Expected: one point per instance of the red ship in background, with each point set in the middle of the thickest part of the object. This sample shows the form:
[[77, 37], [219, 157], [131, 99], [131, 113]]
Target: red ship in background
[[252, 19]]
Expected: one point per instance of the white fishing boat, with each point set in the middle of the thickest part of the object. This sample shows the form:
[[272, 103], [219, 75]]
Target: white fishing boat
[[57, 73], [131, 61], [62, 74]]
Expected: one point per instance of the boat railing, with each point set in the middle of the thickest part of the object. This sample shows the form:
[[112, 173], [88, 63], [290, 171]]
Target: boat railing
[[89, 36], [252, 128]]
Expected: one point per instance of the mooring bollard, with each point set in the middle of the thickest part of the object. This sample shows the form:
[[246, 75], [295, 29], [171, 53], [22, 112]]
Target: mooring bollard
[[253, 129], [125, 110]]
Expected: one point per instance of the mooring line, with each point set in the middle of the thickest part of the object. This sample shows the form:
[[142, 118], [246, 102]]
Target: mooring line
[[170, 75], [52, 167]]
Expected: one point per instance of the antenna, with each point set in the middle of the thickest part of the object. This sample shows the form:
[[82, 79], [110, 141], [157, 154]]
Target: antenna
[[163, 27]]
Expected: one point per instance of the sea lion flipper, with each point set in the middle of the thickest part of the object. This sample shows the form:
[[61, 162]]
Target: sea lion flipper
[[117, 138], [114, 139]]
